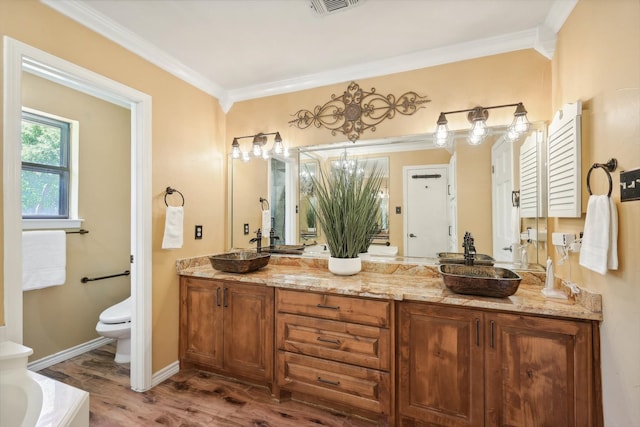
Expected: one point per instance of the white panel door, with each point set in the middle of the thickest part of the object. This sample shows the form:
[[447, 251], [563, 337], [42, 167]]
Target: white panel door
[[504, 215], [426, 216]]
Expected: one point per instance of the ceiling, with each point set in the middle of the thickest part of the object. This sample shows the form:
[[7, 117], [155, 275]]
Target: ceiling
[[244, 49]]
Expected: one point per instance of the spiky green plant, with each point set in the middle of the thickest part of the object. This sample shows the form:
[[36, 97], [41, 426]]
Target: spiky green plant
[[348, 207]]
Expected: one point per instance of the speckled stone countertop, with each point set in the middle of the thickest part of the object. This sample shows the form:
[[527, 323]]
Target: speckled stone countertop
[[399, 281]]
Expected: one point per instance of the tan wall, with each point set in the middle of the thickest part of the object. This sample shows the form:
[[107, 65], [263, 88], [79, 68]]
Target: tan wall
[[61, 317], [188, 147], [597, 61]]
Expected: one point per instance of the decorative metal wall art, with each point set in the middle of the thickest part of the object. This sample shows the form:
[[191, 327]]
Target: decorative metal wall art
[[356, 110]]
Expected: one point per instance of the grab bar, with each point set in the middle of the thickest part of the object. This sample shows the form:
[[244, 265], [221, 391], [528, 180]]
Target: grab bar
[[81, 231], [87, 279]]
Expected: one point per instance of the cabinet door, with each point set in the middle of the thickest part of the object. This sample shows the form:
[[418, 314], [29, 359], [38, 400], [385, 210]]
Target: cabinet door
[[440, 366], [200, 322], [248, 330], [539, 371]]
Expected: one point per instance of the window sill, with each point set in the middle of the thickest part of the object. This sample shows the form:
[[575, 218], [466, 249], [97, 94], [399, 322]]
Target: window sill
[[48, 224]]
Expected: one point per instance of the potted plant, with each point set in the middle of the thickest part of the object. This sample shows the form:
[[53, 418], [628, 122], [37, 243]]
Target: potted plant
[[347, 210], [311, 218]]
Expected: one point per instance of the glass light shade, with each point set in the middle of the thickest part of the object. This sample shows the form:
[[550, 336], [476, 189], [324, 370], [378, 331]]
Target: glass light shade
[[442, 135], [257, 150], [479, 129], [520, 124], [278, 148], [265, 154], [475, 139], [512, 135], [235, 149]]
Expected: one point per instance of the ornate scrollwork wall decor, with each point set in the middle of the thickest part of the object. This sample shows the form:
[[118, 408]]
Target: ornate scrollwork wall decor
[[356, 110]]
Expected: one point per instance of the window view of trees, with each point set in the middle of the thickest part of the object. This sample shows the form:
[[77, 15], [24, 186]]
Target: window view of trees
[[45, 167]]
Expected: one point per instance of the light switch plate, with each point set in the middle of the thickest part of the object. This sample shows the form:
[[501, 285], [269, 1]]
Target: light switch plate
[[630, 185]]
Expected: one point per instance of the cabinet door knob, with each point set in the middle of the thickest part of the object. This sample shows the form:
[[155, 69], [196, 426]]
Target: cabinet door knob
[[412, 235]]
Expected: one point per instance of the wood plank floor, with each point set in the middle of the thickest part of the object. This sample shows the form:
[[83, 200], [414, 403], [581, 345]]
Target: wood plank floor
[[190, 398]]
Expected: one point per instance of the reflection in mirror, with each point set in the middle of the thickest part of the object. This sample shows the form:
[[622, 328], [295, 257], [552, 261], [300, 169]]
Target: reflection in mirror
[[481, 185]]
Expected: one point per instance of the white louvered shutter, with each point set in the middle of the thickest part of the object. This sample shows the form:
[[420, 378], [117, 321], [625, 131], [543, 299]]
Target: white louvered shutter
[[564, 175]]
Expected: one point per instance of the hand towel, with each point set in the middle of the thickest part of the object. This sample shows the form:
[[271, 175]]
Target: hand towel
[[612, 262], [173, 229], [594, 253], [44, 259], [266, 222]]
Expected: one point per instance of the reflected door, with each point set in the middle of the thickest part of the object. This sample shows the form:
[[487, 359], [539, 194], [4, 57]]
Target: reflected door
[[426, 210], [506, 229]]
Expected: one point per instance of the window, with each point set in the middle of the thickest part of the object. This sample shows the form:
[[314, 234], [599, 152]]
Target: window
[[46, 173]]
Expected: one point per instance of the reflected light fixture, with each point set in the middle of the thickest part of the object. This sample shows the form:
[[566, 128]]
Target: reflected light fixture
[[478, 116], [259, 146]]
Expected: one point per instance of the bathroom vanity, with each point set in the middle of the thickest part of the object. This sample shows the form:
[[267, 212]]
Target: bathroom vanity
[[393, 344]]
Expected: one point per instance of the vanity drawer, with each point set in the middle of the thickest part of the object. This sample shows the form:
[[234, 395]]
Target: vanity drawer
[[349, 309], [358, 387], [340, 341]]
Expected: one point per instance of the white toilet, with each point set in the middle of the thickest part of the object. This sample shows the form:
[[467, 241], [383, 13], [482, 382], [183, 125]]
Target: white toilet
[[115, 322]]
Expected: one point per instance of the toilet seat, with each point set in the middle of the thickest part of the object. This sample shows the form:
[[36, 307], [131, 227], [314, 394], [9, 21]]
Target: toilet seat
[[118, 313]]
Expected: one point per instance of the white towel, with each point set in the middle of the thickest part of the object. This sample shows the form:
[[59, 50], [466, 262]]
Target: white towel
[[44, 259], [612, 262], [600, 239], [266, 222], [173, 228]]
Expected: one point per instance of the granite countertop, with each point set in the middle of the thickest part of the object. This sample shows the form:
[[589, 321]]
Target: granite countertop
[[399, 281]]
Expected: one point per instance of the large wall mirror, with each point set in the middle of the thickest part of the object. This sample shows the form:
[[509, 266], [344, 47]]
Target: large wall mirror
[[430, 195]]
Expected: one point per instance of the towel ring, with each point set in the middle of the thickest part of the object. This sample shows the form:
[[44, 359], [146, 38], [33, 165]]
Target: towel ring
[[262, 202], [170, 190], [608, 167]]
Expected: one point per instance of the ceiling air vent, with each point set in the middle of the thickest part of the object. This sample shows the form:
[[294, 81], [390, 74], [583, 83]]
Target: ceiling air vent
[[326, 7]]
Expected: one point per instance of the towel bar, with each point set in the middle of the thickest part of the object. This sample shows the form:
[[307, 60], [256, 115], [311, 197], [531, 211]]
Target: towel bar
[[87, 279], [608, 167]]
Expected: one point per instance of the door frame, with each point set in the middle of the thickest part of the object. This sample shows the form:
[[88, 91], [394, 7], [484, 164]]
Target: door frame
[[19, 57]]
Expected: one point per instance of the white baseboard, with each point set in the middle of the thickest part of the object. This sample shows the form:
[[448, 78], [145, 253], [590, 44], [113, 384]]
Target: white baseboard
[[165, 373], [63, 355]]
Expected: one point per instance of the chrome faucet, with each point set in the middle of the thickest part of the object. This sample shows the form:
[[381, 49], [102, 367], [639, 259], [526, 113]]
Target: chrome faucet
[[469, 249], [258, 240]]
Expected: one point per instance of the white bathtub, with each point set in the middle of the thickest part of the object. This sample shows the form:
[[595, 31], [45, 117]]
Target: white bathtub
[[28, 399]]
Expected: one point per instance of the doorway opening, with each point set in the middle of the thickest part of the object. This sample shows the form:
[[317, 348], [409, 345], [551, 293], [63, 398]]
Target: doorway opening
[[19, 58]]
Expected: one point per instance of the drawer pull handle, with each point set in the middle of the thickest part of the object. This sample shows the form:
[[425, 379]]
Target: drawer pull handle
[[330, 307], [329, 340], [322, 380]]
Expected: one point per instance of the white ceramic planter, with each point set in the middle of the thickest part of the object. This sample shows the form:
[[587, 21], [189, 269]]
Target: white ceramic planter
[[345, 266]]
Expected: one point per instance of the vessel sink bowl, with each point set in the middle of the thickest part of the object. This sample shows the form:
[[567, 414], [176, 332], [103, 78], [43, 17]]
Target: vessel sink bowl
[[284, 249], [458, 258], [482, 280], [239, 262]]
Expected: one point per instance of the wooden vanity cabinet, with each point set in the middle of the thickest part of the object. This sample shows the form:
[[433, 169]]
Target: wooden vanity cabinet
[[336, 350], [467, 367], [227, 327]]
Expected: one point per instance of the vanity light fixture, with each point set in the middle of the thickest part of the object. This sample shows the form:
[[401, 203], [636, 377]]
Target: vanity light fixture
[[259, 148], [478, 116]]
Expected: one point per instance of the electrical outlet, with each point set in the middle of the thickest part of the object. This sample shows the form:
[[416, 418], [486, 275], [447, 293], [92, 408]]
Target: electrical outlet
[[198, 233], [398, 210], [246, 229]]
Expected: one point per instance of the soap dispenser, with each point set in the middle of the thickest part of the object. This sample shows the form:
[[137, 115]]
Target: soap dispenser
[[549, 289]]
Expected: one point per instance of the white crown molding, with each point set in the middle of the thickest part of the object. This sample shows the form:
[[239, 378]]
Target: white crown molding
[[539, 38], [558, 14], [90, 18], [423, 59]]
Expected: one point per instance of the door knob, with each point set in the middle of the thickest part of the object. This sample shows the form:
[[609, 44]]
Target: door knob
[[508, 248], [412, 235]]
